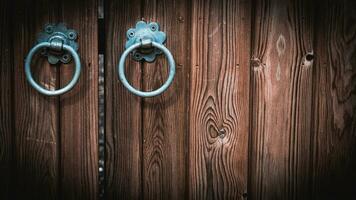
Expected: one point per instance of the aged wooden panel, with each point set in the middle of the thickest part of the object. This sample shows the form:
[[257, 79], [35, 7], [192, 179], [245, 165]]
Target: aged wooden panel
[[79, 108], [123, 110], [6, 99], [334, 120], [55, 150], [262, 106], [282, 63], [36, 133], [165, 117], [219, 99]]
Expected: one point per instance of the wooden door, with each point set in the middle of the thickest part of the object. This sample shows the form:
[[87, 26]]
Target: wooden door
[[48, 144], [262, 105]]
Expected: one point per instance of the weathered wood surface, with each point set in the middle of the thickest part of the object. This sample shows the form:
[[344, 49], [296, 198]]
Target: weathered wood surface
[[6, 101], [282, 66], [219, 99], [79, 108], [262, 106], [146, 137], [333, 174], [123, 110], [36, 151], [165, 118], [55, 151], [303, 94]]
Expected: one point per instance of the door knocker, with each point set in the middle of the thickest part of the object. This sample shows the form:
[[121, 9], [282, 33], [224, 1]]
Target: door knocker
[[58, 45], [145, 41]]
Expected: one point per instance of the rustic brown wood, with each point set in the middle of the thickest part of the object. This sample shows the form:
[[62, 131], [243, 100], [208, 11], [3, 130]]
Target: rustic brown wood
[[79, 108], [289, 97], [334, 120], [165, 117], [282, 64], [36, 116], [56, 138], [6, 100], [123, 109], [219, 99]]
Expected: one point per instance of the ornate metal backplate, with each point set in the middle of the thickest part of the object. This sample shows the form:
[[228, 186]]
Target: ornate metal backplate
[[145, 31], [52, 32]]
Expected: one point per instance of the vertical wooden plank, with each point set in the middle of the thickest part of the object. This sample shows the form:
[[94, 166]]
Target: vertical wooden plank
[[165, 124], [123, 110], [219, 99], [6, 100], [79, 108], [36, 115], [282, 64], [334, 139]]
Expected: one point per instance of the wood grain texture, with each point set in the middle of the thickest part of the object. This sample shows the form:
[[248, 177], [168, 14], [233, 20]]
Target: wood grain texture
[[79, 108], [6, 101], [36, 116], [123, 109], [219, 99], [334, 123], [272, 77], [282, 63], [165, 117], [56, 138]]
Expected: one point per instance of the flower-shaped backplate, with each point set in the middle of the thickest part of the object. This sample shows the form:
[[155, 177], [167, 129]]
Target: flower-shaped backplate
[[143, 30], [59, 31]]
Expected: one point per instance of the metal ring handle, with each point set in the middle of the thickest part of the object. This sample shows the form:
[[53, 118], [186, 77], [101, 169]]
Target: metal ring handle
[[172, 69], [39, 88]]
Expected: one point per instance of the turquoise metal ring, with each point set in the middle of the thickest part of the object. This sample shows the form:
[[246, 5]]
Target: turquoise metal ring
[[39, 88], [121, 70]]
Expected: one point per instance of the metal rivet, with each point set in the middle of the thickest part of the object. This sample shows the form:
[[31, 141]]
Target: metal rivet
[[66, 58], [137, 56], [49, 29], [153, 27], [130, 33], [72, 35], [44, 51]]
